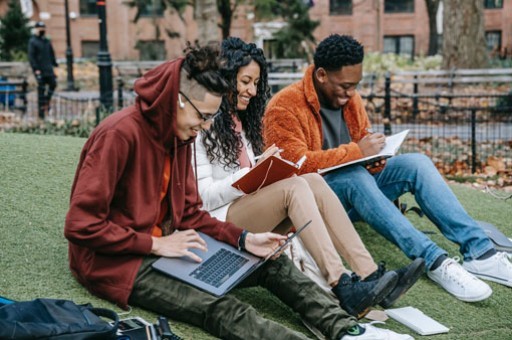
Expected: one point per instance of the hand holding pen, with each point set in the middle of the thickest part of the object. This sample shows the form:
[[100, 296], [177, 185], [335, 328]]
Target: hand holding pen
[[371, 144], [273, 150]]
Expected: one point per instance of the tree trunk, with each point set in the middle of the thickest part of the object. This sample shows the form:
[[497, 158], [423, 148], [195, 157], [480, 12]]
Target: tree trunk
[[432, 7], [226, 13], [207, 19], [463, 34]]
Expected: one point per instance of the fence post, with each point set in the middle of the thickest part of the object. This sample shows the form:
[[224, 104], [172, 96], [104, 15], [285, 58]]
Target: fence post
[[473, 141], [387, 105], [120, 99], [23, 96], [415, 109]]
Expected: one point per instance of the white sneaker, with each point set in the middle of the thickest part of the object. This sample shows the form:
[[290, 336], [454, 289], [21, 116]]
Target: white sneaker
[[497, 268], [373, 333], [457, 281]]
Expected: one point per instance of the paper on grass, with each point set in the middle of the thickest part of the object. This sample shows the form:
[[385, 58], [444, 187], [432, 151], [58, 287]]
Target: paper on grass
[[417, 320], [390, 149]]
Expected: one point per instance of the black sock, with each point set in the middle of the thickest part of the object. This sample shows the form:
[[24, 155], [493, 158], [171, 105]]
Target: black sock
[[438, 262], [487, 254]]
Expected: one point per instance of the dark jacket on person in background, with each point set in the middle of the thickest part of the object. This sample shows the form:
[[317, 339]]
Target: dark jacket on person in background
[[115, 198], [41, 55]]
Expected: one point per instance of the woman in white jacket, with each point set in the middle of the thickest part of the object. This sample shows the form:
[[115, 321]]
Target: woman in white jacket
[[227, 152]]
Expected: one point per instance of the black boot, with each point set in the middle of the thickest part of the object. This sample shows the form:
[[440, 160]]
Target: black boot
[[356, 296], [407, 277]]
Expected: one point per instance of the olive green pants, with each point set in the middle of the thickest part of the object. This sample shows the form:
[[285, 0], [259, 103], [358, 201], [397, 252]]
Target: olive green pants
[[229, 318]]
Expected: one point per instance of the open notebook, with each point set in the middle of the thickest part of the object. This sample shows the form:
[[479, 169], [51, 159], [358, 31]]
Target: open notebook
[[269, 171], [393, 143]]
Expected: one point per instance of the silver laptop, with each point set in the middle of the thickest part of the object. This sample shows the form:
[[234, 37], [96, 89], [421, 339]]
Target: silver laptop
[[223, 266]]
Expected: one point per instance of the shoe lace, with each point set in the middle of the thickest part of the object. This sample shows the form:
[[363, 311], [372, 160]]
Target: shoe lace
[[503, 258], [355, 278], [381, 270], [456, 273]]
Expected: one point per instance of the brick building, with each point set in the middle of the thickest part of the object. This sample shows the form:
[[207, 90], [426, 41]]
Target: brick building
[[399, 26]]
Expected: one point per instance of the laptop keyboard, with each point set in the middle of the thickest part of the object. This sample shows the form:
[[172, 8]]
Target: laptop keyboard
[[219, 267]]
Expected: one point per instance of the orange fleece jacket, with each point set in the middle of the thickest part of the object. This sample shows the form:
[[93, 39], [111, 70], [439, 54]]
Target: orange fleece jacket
[[292, 121]]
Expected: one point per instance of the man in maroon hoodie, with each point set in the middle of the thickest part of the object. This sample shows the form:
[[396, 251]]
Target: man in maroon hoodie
[[135, 186]]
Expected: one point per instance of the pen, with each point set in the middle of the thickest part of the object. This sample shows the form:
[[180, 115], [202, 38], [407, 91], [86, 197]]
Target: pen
[[258, 157]]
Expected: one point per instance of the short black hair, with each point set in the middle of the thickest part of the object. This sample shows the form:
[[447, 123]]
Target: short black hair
[[337, 51], [203, 64]]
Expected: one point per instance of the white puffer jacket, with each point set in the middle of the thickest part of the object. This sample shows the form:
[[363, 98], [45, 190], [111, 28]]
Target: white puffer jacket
[[215, 181]]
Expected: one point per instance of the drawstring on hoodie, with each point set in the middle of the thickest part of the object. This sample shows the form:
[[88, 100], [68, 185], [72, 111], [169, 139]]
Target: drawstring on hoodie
[[174, 163], [195, 172]]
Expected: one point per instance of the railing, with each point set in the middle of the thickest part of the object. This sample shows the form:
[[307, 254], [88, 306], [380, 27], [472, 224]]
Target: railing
[[463, 130]]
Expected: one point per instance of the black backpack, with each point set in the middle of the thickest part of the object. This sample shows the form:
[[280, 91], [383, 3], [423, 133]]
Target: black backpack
[[55, 319]]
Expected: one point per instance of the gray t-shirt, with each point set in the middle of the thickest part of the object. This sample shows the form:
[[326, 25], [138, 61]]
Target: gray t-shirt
[[334, 128]]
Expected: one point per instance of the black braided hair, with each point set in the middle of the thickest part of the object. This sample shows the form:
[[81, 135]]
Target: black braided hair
[[221, 141], [337, 51]]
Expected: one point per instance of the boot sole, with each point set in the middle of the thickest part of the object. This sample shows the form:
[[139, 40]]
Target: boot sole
[[384, 286], [408, 280]]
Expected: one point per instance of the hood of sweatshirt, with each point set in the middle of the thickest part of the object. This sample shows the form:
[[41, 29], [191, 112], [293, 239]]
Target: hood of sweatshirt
[[157, 97]]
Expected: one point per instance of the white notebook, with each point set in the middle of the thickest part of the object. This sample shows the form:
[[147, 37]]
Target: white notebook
[[417, 320], [391, 147]]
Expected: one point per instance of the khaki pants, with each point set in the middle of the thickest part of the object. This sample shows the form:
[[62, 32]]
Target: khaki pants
[[293, 202], [227, 317]]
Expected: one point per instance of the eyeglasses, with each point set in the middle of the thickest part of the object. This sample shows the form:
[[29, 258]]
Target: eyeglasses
[[205, 118]]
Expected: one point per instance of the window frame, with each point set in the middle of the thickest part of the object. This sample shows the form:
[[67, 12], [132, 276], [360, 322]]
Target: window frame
[[396, 39], [341, 9], [87, 4], [499, 33], [410, 7], [151, 43], [159, 12], [487, 4], [90, 42]]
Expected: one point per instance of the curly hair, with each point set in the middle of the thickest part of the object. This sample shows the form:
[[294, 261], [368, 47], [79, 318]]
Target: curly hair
[[337, 51], [222, 142], [203, 64]]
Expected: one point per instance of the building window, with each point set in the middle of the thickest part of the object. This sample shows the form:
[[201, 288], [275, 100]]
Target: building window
[[399, 44], [490, 4], [88, 7], [152, 8], [398, 6], [493, 39], [90, 49], [151, 50], [340, 7]]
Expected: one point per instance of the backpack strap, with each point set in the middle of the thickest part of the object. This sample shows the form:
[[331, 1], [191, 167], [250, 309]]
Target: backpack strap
[[107, 313]]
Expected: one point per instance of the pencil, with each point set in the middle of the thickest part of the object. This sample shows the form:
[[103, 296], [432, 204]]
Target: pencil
[[259, 156]]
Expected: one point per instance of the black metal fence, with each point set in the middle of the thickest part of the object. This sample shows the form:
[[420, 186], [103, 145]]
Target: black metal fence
[[454, 128]]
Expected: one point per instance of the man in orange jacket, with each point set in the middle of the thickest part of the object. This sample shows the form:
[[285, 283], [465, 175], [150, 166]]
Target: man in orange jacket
[[323, 117]]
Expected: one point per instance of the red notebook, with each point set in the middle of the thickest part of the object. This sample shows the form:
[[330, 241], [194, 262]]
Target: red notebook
[[271, 170]]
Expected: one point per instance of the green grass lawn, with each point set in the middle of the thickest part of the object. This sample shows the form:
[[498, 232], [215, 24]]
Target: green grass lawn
[[36, 173]]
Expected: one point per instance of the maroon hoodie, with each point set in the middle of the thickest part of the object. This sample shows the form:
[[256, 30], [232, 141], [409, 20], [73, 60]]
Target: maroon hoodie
[[115, 198]]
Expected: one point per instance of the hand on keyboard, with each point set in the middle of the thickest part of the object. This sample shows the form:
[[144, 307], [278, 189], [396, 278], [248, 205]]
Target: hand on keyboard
[[178, 244]]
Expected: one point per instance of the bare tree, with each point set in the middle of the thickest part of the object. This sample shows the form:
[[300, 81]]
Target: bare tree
[[463, 34], [432, 7]]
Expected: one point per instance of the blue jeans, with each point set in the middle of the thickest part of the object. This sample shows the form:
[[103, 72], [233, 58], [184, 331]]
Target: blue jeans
[[369, 197]]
